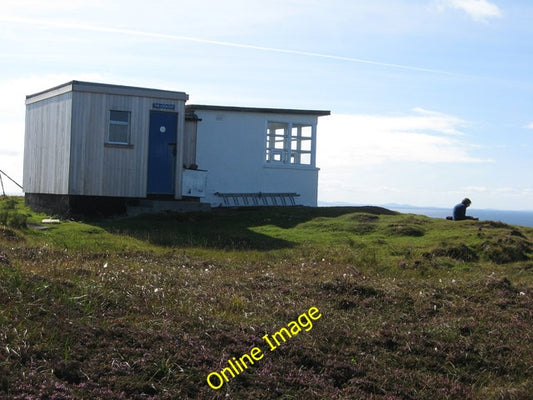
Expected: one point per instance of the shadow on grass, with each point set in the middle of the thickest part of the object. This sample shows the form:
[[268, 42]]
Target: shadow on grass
[[228, 229]]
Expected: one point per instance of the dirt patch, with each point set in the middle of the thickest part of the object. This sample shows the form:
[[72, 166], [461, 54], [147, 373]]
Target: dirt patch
[[503, 285], [10, 235], [508, 249], [339, 286], [4, 259], [404, 230], [362, 228], [460, 253], [362, 217]]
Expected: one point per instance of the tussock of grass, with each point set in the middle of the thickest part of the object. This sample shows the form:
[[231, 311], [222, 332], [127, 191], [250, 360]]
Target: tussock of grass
[[145, 308], [10, 214]]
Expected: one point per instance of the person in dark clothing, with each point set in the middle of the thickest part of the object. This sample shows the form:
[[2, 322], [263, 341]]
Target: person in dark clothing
[[459, 211]]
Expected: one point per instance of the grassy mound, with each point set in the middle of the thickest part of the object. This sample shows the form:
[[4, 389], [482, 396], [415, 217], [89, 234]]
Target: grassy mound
[[147, 307]]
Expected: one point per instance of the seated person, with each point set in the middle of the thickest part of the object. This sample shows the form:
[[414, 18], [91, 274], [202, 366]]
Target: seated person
[[459, 211]]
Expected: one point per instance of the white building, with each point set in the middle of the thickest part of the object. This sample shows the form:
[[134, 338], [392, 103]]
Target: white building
[[101, 148]]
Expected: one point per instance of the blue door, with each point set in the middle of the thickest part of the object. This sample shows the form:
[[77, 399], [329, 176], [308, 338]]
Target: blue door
[[162, 152]]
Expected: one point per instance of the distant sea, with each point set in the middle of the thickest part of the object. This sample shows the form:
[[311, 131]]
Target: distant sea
[[524, 218]]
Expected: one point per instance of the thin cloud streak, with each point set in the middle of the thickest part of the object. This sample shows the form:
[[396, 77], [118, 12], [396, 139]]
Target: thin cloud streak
[[156, 35]]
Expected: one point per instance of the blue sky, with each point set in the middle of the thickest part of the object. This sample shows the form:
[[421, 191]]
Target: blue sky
[[431, 100]]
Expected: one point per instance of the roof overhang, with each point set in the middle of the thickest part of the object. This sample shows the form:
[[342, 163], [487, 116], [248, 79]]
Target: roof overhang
[[201, 107], [102, 88]]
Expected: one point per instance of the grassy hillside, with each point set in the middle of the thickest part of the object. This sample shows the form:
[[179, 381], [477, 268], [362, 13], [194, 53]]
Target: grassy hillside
[[147, 308]]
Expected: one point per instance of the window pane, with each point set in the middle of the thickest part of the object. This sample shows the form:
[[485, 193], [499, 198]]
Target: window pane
[[305, 159], [118, 133], [119, 126], [279, 144], [307, 131], [294, 144], [305, 145], [120, 116]]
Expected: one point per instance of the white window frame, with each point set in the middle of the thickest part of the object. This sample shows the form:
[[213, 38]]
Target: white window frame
[[290, 143], [112, 122]]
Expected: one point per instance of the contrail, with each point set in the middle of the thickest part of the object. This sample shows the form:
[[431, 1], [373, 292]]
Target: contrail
[[132, 32]]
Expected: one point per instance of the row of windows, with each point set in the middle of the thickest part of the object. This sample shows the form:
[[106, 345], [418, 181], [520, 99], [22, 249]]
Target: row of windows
[[287, 143]]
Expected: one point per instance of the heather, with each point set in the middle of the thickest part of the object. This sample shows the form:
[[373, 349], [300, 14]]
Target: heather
[[147, 307]]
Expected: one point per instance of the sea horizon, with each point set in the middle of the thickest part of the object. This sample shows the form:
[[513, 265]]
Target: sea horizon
[[513, 217]]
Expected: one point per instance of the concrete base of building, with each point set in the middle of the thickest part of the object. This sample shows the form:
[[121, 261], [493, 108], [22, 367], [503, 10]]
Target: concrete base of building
[[68, 206]]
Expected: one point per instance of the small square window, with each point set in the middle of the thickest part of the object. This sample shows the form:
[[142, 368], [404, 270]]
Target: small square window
[[119, 127]]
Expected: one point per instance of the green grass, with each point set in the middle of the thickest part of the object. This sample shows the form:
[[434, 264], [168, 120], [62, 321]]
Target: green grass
[[147, 307]]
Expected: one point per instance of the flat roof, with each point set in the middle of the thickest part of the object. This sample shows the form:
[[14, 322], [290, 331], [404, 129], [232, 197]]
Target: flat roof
[[104, 88], [196, 107]]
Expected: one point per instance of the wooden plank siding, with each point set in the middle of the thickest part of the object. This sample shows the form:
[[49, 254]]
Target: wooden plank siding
[[100, 169], [67, 129], [47, 145]]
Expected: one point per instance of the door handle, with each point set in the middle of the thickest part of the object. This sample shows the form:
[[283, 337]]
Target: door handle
[[174, 150]]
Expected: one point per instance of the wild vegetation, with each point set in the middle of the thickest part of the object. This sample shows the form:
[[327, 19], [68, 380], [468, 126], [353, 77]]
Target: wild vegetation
[[145, 308]]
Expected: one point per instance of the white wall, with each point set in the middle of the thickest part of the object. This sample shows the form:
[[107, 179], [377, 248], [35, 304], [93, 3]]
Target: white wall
[[231, 147]]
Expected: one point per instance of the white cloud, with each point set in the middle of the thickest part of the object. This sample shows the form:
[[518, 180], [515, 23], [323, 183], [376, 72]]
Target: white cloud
[[413, 158], [478, 10], [529, 126], [422, 136]]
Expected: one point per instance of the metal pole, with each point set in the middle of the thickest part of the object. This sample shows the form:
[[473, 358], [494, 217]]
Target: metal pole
[[2, 182], [8, 177]]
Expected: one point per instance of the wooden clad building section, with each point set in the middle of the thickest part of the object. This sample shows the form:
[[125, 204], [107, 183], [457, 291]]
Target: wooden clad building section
[[47, 145], [69, 149], [116, 169]]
